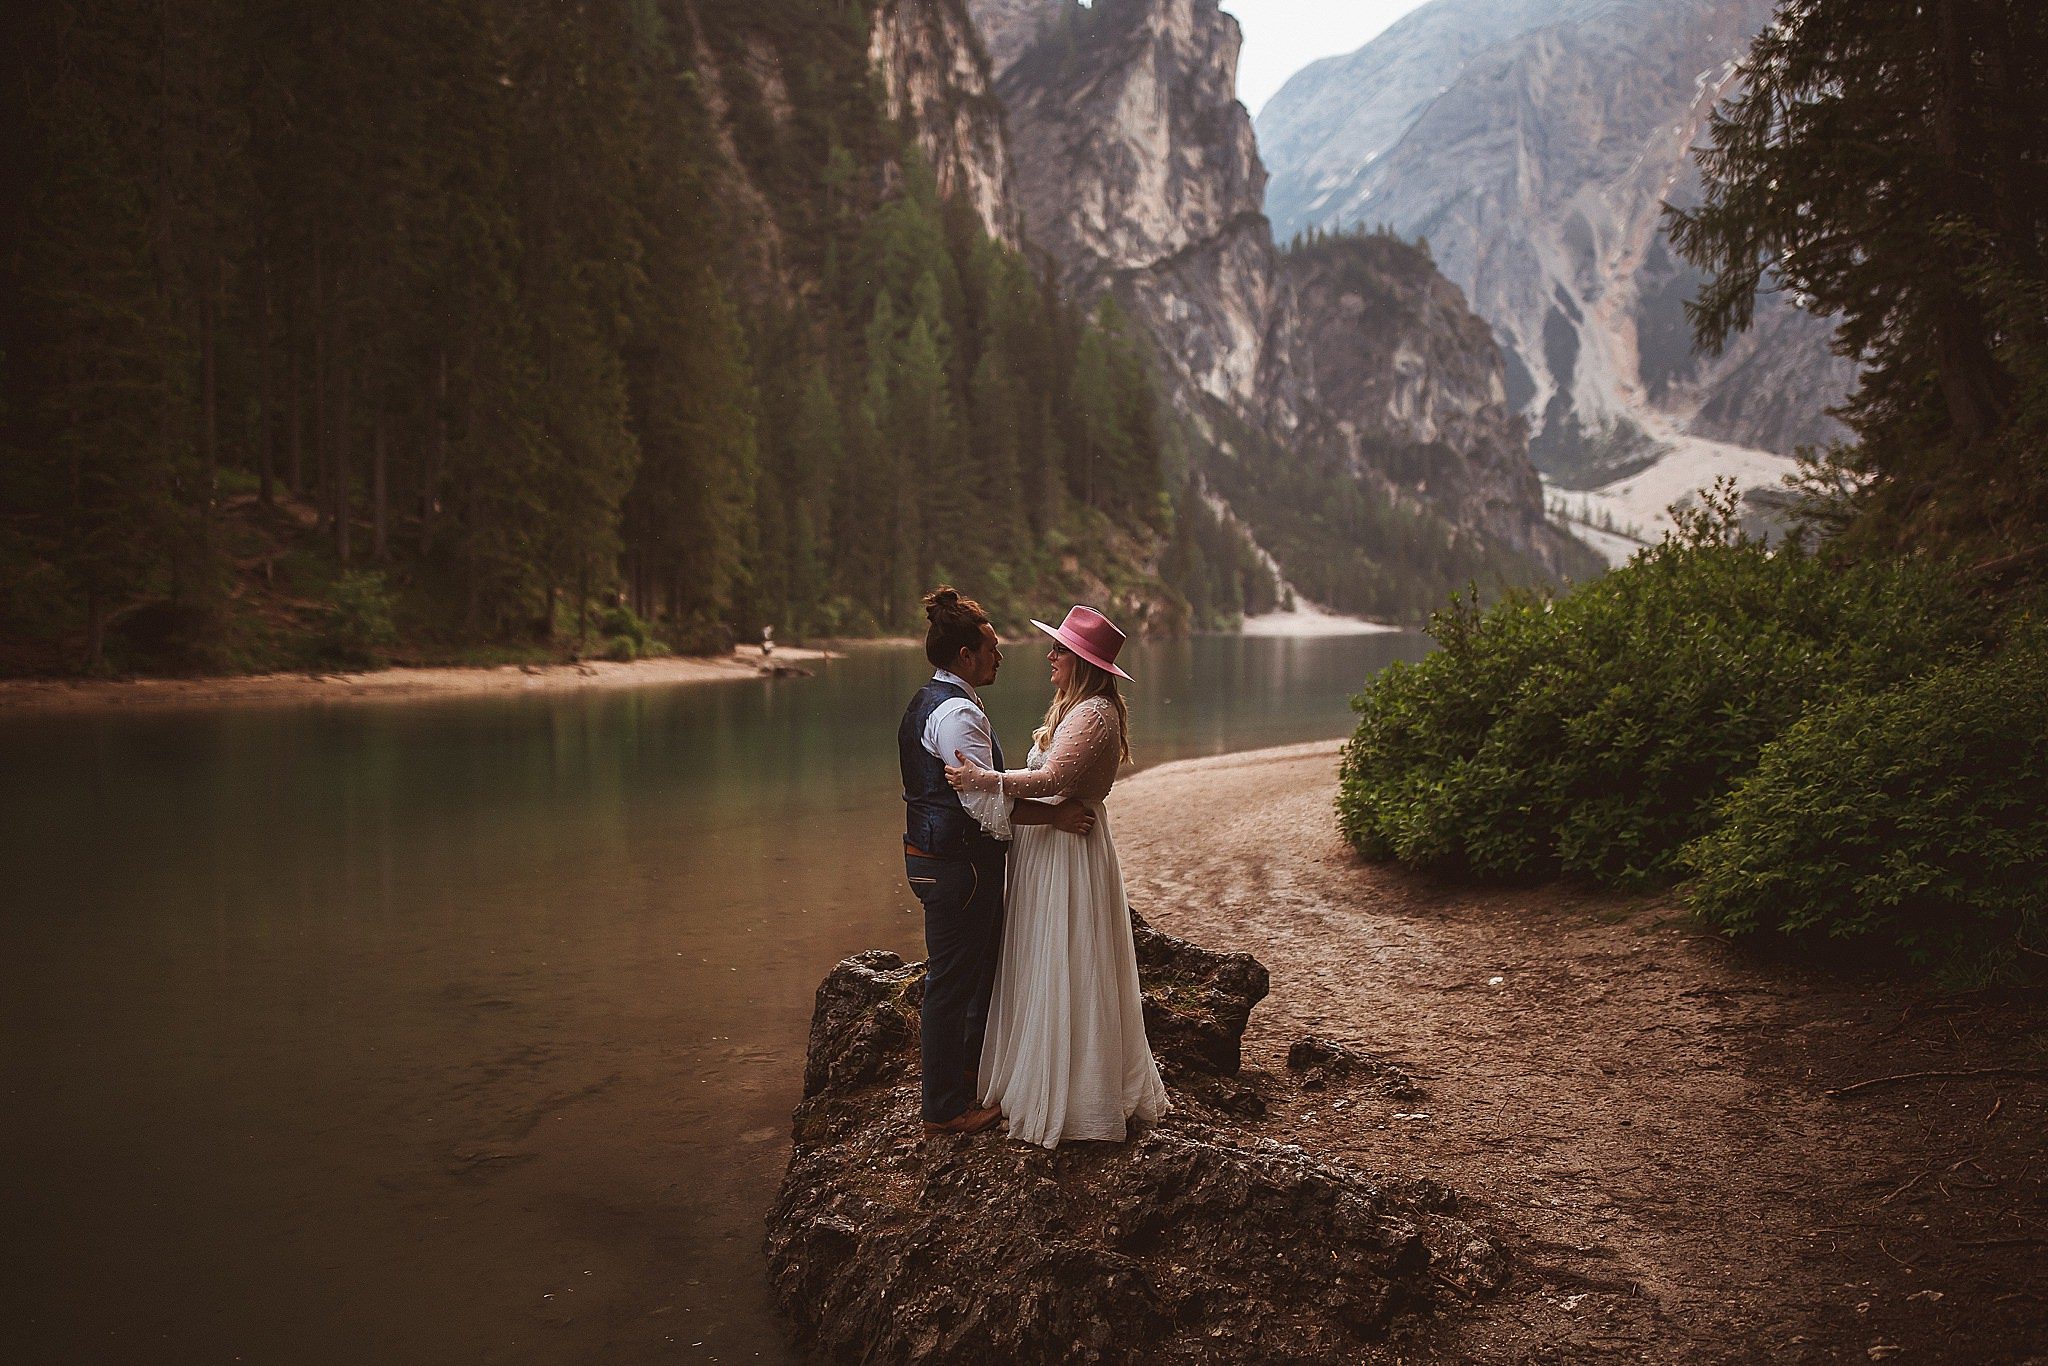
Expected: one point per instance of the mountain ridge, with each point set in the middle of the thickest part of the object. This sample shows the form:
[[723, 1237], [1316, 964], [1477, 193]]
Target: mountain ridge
[[1140, 178], [1570, 124]]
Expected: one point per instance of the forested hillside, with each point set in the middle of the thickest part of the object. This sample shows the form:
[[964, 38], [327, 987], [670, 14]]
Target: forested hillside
[[441, 328]]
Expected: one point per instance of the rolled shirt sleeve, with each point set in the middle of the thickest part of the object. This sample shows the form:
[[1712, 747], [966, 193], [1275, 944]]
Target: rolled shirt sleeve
[[960, 726]]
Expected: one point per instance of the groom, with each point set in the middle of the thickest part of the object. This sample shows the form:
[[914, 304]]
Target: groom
[[955, 847]]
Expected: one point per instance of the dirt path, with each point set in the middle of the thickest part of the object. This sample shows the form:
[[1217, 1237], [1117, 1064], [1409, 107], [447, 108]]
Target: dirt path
[[1638, 1109]]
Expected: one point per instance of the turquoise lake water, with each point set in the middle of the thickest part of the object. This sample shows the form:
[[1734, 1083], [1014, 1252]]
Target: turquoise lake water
[[468, 1030]]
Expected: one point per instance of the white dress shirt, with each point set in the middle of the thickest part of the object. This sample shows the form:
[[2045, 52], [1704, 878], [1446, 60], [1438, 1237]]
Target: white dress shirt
[[959, 724]]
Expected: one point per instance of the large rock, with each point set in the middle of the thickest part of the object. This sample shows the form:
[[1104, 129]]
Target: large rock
[[1191, 1242], [1196, 1001]]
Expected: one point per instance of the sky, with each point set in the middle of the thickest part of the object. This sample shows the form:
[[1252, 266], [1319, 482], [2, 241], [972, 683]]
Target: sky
[[1283, 36]]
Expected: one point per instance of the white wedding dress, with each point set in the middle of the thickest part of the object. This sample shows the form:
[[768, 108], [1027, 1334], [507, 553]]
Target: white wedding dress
[[1066, 1055]]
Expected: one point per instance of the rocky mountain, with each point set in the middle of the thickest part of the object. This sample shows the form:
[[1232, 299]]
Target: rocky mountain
[[1139, 176], [1533, 143], [935, 78], [1402, 382], [1008, 27]]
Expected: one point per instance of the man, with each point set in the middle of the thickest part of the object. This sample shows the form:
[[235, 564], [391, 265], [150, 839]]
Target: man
[[954, 851]]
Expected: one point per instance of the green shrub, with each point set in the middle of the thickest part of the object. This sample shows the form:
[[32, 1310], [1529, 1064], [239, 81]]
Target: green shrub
[[358, 624], [1593, 734], [702, 634], [621, 620], [1915, 819]]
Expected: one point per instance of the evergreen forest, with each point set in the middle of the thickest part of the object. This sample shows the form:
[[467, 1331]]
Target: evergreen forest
[[446, 329]]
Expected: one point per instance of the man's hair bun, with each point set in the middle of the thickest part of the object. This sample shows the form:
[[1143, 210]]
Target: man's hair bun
[[956, 625]]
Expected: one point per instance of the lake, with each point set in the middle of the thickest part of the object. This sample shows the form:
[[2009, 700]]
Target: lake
[[468, 1030]]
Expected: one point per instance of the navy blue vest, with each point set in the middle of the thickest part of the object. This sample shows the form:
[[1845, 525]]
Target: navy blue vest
[[934, 820]]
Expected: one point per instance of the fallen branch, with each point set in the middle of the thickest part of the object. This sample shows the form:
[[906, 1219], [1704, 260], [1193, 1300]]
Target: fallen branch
[[2002, 563], [1960, 1162], [2001, 1242], [2032, 1072]]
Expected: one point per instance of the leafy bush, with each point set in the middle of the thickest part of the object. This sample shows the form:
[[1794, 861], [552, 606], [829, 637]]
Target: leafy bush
[[1593, 735], [1916, 819], [702, 634], [358, 623], [628, 636]]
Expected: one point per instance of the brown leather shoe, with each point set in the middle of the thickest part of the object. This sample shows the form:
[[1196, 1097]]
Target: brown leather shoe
[[968, 1121]]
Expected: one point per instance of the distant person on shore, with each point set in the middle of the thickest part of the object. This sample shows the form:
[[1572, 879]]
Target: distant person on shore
[[955, 850], [1066, 1054], [767, 641]]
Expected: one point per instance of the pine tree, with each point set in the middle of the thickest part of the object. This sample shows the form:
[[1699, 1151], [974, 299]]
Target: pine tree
[[104, 427], [817, 453], [1884, 163]]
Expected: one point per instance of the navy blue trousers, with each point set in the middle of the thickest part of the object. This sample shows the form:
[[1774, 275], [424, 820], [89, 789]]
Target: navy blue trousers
[[963, 936]]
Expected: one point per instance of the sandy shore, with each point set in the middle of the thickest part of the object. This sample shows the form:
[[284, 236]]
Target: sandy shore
[[1307, 619], [1643, 1113], [390, 685]]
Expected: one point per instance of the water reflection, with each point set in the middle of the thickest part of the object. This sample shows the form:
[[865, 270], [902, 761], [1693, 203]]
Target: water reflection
[[467, 1030]]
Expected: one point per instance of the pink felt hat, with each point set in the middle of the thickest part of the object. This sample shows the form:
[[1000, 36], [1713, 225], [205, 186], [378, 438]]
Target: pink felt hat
[[1089, 634]]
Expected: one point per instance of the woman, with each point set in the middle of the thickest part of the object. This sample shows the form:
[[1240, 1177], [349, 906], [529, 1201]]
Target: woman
[[1066, 1055]]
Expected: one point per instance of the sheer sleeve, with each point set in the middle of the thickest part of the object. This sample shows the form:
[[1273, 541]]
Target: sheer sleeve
[[1087, 732]]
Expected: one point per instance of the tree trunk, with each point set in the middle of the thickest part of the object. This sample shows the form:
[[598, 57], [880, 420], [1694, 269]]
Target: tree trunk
[[344, 475], [209, 404], [379, 541], [472, 515], [582, 610], [322, 444], [430, 486], [1969, 374], [295, 475], [160, 214], [95, 629], [266, 493]]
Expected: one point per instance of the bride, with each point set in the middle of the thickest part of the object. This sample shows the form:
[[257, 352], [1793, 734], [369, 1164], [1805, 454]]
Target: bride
[[1066, 1056]]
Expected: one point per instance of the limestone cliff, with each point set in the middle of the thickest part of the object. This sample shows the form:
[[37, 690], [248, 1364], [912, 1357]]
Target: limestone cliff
[[935, 78], [1534, 143], [1404, 382], [1139, 175], [1008, 27], [766, 86]]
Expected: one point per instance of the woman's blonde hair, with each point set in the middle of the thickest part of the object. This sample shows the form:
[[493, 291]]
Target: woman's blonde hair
[[1086, 681]]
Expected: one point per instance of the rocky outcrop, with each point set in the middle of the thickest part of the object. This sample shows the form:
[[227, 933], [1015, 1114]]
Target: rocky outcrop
[[1400, 380], [935, 77], [1324, 1064], [1008, 27], [1139, 176], [1192, 1242], [1533, 144]]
